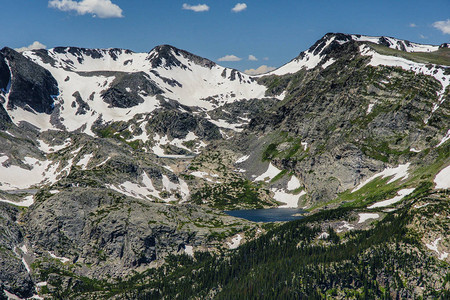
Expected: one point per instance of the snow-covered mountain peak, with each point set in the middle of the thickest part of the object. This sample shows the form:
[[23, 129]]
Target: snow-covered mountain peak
[[319, 53], [103, 85], [167, 56]]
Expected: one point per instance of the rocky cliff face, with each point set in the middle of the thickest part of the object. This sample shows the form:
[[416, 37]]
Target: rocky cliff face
[[30, 85]]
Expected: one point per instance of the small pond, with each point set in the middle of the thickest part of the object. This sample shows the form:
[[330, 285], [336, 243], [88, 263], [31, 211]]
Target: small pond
[[268, 215]]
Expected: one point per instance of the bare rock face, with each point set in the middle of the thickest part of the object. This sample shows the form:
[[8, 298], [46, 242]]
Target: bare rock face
[[111, 232], [126, 90], [178, 124], [31, 85], [13, 276]]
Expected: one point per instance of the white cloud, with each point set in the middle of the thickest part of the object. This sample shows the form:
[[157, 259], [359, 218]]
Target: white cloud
[[97, 8], [261, 70], [230, 58], [422, 36], [252, 58], [266, 58], [412, 25], [443, 26], [196, 8], [239, 7], [34, 46]]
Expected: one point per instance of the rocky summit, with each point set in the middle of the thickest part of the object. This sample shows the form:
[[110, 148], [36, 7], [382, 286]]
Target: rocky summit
[[118, 168]]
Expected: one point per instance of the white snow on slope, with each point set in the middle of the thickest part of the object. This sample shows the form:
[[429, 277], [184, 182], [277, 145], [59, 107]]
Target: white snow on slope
[[140, 191], [291, 200], [15, 177], [205, 175], [434, 247], [224, 124], [420, 206], [366, 216], [61, 259], [324, 235], [47, 148], [329, 62], [164, 140], [41, 121], [400, 195], [444, 139], [197, 84], [271, 172], [427, 69], [344, 226], [396, 43], [235, 242], [189, 250], [242, 159], [25, 203], [83, 162], [442, 179], [293, 183], [400, 172], [143, 136]]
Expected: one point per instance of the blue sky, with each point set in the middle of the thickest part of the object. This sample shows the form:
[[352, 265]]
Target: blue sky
[[274, 30]]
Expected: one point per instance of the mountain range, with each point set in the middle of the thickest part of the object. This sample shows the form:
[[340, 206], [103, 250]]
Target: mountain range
[[117, 167]]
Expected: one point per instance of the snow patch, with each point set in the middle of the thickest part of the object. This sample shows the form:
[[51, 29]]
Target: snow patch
[[324, 235], [290, 199], [434, 247], [83, 162], [293, 183], [235, 242], [26, 265], [366, 216], [420, 206], [242, 159], [47, 148], [189, 250], [400, 172], [328, 63], [271, 172], [442, 179], [25, 203], [400, 195], [369, 108], [204, 175], [305, 145], [444, 139], [60, 258], [140, 191], [344, 226], [397, 44]]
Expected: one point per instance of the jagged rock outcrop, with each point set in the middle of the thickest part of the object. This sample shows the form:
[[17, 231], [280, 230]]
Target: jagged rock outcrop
[[127, 90], [14, 276], [31, 85], [178, 124]]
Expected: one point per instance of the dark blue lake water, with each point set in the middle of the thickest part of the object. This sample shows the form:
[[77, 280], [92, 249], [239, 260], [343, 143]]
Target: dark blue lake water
[[268, 215]]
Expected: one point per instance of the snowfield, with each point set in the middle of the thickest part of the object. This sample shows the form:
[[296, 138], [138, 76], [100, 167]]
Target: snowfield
[[235, 242], [366, 216], [271, 172], [400, 195], [442, 179], [400, 172], [195, 85]]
